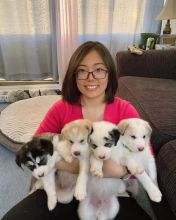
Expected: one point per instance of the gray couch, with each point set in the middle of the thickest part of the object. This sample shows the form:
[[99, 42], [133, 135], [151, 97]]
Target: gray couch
[[149, 83]]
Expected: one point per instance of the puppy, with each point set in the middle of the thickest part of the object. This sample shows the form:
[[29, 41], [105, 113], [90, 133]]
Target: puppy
[[101, 201], [40, 156], [77, 133], [132, 150]]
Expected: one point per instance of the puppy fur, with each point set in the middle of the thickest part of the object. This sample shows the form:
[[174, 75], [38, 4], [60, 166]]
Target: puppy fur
[[77, 133], [101, 202], [132, 150], [40, 156]]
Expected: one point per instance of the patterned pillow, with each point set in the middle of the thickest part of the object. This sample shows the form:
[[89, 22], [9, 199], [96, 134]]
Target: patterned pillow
[[19, 120]]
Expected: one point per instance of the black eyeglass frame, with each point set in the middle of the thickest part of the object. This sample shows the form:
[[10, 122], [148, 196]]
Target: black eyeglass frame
[[92, 72]]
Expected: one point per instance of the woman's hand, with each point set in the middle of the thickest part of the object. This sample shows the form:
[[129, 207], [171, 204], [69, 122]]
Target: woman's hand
[[72, 167], [112, 169]]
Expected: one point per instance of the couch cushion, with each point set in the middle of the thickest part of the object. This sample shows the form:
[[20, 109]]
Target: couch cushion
[[155, 99], [19, 121], [166, 165], [152, 63]]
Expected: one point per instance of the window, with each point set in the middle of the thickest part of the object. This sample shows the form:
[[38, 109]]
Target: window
[[27, 40]]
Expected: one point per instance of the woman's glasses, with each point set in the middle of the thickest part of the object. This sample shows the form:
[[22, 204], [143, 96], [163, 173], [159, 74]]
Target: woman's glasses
[[98, 73]]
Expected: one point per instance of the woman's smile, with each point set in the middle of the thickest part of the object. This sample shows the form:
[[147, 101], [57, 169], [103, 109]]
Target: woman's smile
[[91, 87]]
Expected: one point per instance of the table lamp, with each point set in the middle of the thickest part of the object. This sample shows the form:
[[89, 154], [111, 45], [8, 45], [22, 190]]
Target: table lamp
[[168, 12]]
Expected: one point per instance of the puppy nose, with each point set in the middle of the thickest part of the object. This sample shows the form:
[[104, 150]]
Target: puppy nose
[[102, 157], [76, 153], [41, 175], [140, 148]]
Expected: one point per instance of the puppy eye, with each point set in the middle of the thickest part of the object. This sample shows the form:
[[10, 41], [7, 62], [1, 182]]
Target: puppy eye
[[71, 142], [94, 146], [30, 166], [81, 141], [108, 145], [42, 162], [144, 136], [132, 136]]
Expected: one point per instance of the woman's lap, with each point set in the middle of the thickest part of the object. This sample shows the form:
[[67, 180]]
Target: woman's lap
[[34, 207]]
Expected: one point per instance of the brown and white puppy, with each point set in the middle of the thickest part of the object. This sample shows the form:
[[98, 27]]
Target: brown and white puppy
[[40, 156], [76, 133]]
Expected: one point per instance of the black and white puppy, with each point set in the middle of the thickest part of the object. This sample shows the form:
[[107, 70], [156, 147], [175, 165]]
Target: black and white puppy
[[101, 201], [40, 156]]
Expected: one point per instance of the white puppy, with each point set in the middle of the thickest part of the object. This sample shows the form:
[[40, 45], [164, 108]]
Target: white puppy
[[76, 133], [101, 202], [40, 156], [135, 152], [132, 150]]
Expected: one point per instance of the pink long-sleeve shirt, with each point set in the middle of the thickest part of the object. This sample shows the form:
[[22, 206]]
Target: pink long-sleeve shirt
[[62, 112]]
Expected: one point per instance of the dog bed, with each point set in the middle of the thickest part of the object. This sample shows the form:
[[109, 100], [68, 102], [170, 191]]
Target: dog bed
[[19, 120]]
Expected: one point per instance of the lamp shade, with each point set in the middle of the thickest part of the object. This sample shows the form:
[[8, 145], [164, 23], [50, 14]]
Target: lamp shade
[[168, 11]]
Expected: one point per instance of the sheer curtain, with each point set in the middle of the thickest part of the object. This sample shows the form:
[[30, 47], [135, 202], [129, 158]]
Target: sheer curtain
[[27, 31], [37, 37], [117, 23], [67, 33]]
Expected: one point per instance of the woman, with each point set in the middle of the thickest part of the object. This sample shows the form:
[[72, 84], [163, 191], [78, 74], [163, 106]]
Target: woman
[[88, 92]]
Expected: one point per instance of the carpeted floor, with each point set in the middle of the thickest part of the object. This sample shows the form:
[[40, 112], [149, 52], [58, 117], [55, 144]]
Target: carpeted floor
[[14, 182]]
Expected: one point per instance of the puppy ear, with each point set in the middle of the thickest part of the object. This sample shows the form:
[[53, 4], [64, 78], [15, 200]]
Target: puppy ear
[[122, 126], [115, 134], [20, 156], [65, 130], [47, 145], [88, 126], [148, 128], [88, 138]]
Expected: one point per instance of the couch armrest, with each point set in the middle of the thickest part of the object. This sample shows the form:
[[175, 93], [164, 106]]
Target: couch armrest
[[166, 166], [152, 63]]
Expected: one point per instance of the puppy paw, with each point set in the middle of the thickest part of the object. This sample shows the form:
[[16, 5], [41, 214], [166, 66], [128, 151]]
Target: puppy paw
[[135, 170], [97, 173], [80, 194], [52, 203], [68, 159], [155, 194]]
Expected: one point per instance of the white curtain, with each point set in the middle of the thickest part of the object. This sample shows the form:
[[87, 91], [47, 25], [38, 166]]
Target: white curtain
[[26, 40], [117, 23], [66, 32], [31, 31]]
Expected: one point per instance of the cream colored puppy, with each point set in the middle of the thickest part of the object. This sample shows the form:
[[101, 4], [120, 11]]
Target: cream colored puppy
[[76, 133]]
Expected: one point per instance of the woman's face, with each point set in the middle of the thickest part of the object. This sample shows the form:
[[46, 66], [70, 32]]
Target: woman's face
[[91, 87]]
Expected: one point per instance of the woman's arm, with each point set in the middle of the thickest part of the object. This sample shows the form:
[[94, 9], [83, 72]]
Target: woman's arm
[[110, 168], [52, 119]]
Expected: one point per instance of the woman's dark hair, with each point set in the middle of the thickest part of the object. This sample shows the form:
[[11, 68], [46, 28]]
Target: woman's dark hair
[[70, 92]]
